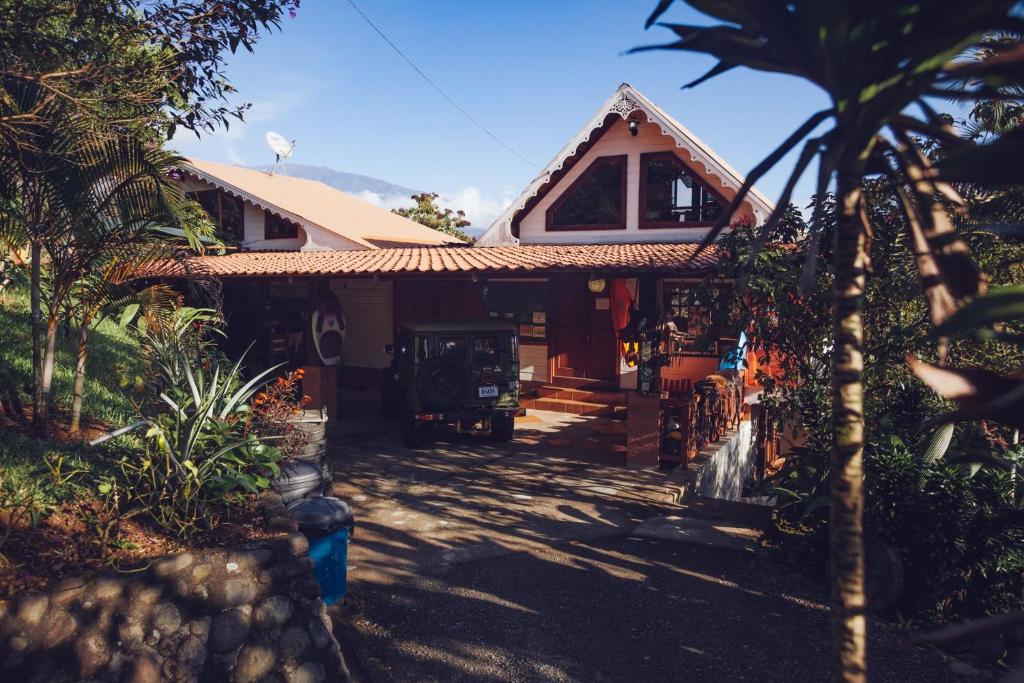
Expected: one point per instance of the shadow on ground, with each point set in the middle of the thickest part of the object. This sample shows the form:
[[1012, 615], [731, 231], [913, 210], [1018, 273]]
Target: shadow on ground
[[476, 561]]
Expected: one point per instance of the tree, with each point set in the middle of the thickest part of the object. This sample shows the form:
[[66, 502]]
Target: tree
[[72, 71], [427, 212], [874, 61]]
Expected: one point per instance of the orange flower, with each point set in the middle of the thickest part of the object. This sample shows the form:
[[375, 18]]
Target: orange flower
[[300, 373]]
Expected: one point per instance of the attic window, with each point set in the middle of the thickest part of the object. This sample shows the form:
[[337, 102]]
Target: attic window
[[227, 213], [277, 228], [672, 196], [595, 201]]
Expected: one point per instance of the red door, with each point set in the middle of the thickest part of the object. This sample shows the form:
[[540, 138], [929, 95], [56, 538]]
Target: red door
[[582, 338]]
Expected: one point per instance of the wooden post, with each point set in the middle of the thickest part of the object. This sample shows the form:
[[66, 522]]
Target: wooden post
[[320, 383], [643, 429]]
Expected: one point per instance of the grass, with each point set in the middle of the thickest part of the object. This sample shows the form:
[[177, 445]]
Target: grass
[[112, 352]]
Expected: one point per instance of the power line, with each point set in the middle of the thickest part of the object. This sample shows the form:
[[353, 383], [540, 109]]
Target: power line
[[436, 87]]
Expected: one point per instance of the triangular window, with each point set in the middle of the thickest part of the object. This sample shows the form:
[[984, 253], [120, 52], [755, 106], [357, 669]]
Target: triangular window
[[672, 196], [595, 201]]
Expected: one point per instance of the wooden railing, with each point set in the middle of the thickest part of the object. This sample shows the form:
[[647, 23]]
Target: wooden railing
[[696, 414], [766, 438]]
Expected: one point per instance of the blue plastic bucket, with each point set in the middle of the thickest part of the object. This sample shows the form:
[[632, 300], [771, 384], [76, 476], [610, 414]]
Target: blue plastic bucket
[[328, 524], [330, 564]]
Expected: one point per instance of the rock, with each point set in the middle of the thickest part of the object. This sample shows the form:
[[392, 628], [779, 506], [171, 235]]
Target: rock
[[105, 589], [166, 618], [67, 591], [92, 653], [200, 627], [229, 630], [254, 661], [318, 633], [191, 653], [233, 592], [143, 669], [274, 611], [172, 565], [309, 672], [297, 544], [883, 574], [293, 643], [131, 633], [31, 609], [201, 571], [14, 653], [59, 627]]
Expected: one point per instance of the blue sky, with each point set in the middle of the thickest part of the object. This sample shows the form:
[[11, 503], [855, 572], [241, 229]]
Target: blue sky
[[531, 71]]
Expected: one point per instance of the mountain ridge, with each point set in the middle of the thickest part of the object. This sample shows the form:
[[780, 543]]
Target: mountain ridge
[[353, 183]]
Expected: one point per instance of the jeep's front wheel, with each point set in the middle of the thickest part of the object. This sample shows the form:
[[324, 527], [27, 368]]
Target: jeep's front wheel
[[502, 427]]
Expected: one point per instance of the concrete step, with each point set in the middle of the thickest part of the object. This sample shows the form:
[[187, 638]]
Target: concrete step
[[582, 383], [575, 407], [585, 395]]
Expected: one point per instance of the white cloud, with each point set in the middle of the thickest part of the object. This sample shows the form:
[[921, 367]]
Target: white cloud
[[390, 201], [480, 210]]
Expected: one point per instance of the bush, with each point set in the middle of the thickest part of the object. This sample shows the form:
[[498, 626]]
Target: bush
[[958, 529], [199, 449]]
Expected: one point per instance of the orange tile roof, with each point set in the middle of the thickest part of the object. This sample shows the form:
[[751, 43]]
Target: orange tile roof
[[317, 203], [534, 258]]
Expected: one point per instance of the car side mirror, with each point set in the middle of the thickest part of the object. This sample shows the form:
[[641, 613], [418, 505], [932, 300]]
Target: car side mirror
[[389, 348]]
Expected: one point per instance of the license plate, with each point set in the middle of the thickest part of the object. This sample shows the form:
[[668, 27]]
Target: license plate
[[488, 392]]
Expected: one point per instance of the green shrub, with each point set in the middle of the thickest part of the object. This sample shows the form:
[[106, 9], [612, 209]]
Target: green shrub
[[198, 445], [957, 528]]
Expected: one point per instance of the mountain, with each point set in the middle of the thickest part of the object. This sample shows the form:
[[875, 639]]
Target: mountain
[[353, 183]]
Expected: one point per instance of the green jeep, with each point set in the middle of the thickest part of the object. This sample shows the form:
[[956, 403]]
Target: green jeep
[[461, 374]]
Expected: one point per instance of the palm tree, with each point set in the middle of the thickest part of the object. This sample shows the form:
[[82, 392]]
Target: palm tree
[[119, 200], [875, 61]]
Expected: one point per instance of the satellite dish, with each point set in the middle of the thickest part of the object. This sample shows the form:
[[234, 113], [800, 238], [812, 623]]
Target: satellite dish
[[280, 146]]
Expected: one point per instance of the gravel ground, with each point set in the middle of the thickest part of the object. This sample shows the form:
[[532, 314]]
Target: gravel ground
[[478, 562]]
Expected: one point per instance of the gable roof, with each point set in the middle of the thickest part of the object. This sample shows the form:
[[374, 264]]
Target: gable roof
[[321, 205], [676, 258], [623, 102]]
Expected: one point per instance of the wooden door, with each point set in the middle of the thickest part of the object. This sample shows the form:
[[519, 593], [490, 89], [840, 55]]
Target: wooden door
[[580, 328]]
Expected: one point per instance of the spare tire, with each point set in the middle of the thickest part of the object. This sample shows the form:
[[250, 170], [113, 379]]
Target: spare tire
[[442, 382]]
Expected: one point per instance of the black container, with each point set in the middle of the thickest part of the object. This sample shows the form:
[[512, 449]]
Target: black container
[[321, 514], [299, 479]]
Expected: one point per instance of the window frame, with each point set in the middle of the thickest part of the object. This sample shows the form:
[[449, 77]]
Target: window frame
[[218, 218], [269, 217], [623, 161], [645, 224]]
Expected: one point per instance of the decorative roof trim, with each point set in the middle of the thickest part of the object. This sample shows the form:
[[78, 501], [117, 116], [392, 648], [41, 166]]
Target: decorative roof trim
[[623, 102], [267, 206]]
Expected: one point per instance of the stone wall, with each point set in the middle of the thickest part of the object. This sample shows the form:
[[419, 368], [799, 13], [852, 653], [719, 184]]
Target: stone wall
[[239, 615], [723, 467]]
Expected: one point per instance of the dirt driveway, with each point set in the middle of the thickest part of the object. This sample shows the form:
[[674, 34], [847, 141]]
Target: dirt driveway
[[474, 561]]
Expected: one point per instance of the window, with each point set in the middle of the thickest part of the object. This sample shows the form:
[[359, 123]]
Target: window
[[596, 201], [672, 196], [277, 228], [485, 350], [692, 319], [453, 346], [225, 211]]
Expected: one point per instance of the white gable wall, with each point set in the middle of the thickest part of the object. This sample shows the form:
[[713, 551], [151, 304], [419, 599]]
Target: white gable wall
[[617, 141], [311, 237]]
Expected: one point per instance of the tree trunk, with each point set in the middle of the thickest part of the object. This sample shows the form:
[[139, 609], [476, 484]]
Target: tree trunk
[[849, 618], [35, 284], [42, 427], [79, 387]]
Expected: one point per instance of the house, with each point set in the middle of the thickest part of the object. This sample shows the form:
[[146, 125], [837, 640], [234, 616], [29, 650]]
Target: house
[[616, 214]]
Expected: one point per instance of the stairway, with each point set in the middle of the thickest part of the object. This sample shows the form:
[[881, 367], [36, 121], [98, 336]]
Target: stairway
[[605, 442], [578, 396]]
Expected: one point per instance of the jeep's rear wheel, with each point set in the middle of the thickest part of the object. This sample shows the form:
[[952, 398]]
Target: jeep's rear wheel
[[503, 427]]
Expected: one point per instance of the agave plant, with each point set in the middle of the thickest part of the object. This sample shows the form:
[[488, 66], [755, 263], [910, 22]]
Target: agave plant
[[199, 447], [878, 63]]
